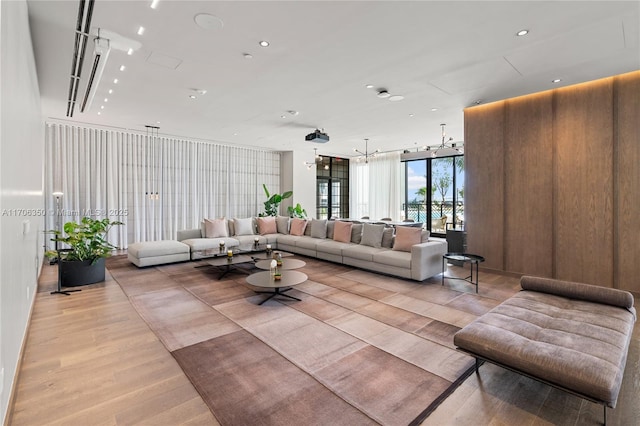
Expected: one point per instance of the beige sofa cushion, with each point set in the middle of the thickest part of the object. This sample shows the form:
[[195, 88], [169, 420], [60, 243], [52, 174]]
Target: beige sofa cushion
[[216, 228], [267, 225], [342, 231], [406, 237]]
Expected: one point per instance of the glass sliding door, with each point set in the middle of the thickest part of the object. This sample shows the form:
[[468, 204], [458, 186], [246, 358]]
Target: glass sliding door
[[332, 188], [435, 193]]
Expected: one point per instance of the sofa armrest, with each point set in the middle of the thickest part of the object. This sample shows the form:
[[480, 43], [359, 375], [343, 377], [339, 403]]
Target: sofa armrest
[[187, 234], [579, 291], [426, 259]]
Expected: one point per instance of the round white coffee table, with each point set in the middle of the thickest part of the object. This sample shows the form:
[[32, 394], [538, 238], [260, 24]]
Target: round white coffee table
[[264, 279]]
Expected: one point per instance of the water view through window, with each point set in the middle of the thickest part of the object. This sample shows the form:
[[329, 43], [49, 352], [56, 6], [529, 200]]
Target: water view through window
[[435, 193]]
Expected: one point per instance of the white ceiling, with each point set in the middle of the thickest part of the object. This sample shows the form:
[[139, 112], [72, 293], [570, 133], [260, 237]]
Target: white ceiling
[[444, 55]]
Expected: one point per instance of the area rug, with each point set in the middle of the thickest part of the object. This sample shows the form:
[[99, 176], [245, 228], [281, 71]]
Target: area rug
[[359, 348]]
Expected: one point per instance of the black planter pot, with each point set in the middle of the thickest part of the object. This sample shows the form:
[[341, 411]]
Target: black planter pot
[[80, 272]]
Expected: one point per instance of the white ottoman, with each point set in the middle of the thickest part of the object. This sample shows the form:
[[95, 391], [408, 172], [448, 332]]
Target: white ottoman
[[147, 253]]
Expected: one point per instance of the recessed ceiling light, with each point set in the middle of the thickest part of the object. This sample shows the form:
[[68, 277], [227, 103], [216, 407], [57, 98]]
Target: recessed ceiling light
[[130, 51], [556, 80], [115, 81], [478, 102], [106, 99], [141, 30], [192, 96], [264, 43], [235, 134], [396, 98], [157, 122], [122, 67], [101, 106], [154, 4], [283, 116], [208, 22], [434, 109], [247, 55], [410, 115], [522, 32], [369, 86], [110, 91], [99, 113], [383, 94]]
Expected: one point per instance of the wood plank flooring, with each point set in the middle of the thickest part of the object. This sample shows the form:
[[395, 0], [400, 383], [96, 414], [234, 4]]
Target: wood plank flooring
[[90, 359]]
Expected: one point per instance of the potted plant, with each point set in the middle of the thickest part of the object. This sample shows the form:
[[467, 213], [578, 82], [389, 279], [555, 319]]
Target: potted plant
[[273, 202], [83, 262], [297, 211]]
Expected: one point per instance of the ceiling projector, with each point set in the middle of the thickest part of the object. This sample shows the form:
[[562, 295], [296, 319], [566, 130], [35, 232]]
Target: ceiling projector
[[317, 136]]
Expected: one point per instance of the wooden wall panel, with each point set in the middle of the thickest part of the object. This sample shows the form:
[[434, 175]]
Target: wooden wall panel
[[583, 196], [627, 181], [484, 182], [528, 222]]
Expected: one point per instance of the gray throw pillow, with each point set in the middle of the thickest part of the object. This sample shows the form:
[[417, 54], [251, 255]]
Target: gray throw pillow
[[319, 228], [330, 226], [372, 235], [282, 223], [307, 229], [356, 233], [387, 238]]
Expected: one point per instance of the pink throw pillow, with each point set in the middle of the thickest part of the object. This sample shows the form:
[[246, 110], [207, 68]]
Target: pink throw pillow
[[297, 226], [215, 228], [407, 236], [267, 225], [342, 231]]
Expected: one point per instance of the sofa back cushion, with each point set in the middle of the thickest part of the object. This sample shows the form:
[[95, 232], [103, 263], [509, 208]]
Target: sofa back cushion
[[297, 226], [330, 228], [342, 231], [356, 233], [406, 237], [387, 237], [215, 228], [267, 225], [319, 228], [243, 226], [282, 223], [372, 235]]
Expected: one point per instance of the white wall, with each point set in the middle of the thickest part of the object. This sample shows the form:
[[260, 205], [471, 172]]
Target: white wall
[[21, 183], [295, 176]]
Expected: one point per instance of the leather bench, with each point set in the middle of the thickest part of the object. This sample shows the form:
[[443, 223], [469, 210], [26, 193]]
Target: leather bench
[[569, 335]]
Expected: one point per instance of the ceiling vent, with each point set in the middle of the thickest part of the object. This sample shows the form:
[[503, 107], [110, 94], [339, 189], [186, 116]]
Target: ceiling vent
[[100, 54]]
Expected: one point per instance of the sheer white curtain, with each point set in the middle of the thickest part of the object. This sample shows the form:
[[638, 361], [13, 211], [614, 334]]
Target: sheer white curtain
[[375, 188], [155, 185]]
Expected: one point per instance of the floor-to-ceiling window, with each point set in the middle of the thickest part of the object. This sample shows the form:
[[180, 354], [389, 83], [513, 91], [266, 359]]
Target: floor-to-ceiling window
[[434, 192], [332, 180]]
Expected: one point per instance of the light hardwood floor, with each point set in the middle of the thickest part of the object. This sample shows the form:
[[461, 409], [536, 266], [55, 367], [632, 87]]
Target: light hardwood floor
[[91, 360]]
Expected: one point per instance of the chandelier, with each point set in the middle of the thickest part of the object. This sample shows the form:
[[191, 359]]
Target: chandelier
[[447, 144], [366, 154], [317, 158]]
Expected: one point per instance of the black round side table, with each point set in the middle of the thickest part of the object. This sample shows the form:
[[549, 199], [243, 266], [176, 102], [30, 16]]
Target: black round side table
[[472, 259]]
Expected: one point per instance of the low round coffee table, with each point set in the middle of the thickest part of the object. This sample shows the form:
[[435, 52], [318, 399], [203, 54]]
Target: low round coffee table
[[265, 280], [287, 264], [472, 259]]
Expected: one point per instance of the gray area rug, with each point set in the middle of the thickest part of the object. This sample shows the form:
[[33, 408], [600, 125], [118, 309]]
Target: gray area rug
[[359, 348]]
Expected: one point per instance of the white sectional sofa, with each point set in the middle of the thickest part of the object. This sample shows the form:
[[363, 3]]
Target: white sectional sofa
[[363, 250]]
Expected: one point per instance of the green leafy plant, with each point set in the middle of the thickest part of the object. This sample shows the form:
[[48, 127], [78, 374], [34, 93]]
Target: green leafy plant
[[297, 211], [273, 202], [87, 239]]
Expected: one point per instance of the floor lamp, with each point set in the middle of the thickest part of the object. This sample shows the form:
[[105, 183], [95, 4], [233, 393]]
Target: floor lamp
[[58, 216]]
